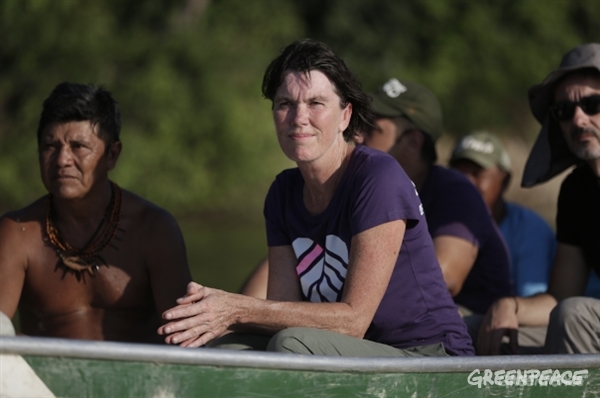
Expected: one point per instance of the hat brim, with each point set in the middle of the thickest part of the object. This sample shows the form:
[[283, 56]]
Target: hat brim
[[549, 156], [380, 108], [541, 96], [476, 157]]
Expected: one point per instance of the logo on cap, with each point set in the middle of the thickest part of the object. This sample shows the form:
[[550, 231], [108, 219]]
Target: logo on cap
[[505, 160], [477, 145], [393, 88]]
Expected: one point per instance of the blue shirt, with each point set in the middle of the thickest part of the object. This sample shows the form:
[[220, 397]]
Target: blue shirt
[[531, 244]]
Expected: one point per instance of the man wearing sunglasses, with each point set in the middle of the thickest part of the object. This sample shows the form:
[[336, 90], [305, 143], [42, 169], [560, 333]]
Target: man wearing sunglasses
[[567, 103]]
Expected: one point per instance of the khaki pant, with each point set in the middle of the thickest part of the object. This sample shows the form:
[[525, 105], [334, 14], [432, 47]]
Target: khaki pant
[[310, 341], [574, 327]]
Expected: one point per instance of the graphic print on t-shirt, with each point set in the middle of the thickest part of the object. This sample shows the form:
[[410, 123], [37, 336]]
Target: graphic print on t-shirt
[[322, 272]]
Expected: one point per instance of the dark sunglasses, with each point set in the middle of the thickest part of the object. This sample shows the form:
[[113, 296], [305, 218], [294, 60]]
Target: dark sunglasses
[[566, 109]]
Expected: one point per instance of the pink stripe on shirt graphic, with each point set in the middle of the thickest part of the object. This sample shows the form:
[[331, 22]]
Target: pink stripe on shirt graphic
[[308, 260]]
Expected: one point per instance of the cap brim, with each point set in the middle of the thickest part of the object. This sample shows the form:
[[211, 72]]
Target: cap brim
[[479, 158], [380, 108]]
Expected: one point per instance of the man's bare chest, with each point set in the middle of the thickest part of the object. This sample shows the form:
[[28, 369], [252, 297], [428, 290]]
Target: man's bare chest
[[120, 281]]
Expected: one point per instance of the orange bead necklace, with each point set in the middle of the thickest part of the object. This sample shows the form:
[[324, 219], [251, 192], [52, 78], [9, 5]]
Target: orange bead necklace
[[88, 258]]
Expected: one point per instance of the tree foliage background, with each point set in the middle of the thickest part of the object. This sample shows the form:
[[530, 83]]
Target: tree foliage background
[[197, 134], [198, 138]]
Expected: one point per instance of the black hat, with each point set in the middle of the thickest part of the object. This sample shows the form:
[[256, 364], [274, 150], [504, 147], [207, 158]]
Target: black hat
[[550, 154]]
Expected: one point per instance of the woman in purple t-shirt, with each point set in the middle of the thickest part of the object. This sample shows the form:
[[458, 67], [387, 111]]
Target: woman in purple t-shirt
[[352, 269]]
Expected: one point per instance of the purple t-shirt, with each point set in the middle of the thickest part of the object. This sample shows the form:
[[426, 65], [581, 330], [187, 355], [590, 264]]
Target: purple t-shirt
[[454, 207], [416, 308]]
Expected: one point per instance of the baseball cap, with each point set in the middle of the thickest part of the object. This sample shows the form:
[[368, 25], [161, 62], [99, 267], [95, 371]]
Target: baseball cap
[[413, 101], [483, 148], [550, 154]]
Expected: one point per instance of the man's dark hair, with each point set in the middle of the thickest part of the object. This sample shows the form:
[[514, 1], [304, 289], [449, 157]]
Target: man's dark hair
[[307, 55], [428, 152], [70, 102]]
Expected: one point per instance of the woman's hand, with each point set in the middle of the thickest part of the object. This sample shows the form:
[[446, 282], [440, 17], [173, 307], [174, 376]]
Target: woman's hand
[[200, 316]]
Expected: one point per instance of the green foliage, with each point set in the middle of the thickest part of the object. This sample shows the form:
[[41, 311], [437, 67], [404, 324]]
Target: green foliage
[[187, 73], [196, 133], [479, 57]]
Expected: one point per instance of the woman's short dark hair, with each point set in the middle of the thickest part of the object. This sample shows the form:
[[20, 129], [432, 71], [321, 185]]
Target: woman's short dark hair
[[307, 55], [70, 102]]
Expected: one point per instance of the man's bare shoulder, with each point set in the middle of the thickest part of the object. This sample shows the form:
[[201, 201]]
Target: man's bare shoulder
[[21, 223], [146, 214], [21, 237], [157, 238]]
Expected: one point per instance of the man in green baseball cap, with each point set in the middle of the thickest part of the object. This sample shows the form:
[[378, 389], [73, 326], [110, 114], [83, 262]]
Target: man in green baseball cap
[[410, 113], [468, 245], [483, 148], [412, 101], [483, 159]]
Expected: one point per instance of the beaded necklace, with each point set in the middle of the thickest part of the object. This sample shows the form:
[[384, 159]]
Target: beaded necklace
[[88, 258]]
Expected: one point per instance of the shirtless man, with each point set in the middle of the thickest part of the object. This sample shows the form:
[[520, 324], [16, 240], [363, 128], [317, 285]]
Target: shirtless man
[[88, 260]]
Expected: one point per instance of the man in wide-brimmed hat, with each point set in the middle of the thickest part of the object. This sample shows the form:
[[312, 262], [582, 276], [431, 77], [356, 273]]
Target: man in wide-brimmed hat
[[567, 103]]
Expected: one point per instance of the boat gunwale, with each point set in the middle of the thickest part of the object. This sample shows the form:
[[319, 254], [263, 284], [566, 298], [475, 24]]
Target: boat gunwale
[[136, 352]]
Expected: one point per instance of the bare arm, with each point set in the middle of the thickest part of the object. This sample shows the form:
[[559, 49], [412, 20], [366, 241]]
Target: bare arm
[[256, 284], [283, 280], [456, 257], [569, 278], [207, 313], [506, 315], [13, 264], [166, 261]]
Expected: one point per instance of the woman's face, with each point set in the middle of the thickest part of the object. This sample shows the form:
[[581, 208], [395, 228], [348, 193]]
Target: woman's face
[[308, 116]]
